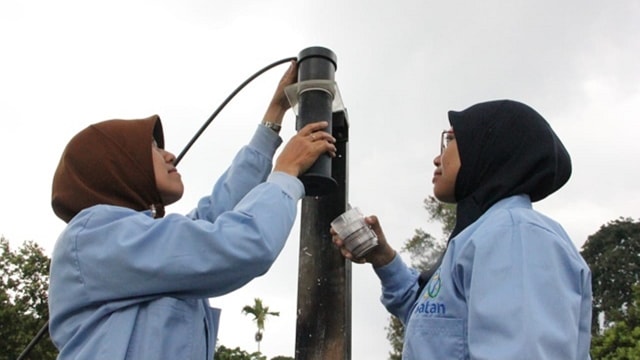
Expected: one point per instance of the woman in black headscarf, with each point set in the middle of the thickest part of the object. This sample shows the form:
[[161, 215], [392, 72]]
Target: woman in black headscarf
[[511, 284]]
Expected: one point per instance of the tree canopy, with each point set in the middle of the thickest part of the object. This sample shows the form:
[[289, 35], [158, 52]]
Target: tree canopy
[[224, 353], [613, 255], [260, 313], [621, 341], [24, 311]]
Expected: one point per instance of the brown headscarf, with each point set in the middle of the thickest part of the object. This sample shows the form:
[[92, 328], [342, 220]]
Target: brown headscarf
[[109, 163]]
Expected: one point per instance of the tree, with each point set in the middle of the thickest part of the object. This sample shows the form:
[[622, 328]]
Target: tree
[[613, 255], [424, 250], [260, 314], [23, 300], [395, 335], [224, 353], [621, 341]]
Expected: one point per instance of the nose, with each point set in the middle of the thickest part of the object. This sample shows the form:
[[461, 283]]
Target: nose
[[437, 160], [168, 156]]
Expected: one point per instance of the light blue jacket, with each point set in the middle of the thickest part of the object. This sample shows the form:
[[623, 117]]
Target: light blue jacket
[[126, 286], [511, 286]]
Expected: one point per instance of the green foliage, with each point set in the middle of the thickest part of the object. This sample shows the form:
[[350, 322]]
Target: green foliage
[[613, 255], [424, 250], [224, 353], [617, 343], [621, 341], [444, 213], [395, 335], [23, 300], [260, 313]]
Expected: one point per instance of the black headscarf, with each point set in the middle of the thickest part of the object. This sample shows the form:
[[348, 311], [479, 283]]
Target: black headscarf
[[506, 148]]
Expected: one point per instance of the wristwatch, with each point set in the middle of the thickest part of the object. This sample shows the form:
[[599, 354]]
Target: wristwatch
[[273, 126]]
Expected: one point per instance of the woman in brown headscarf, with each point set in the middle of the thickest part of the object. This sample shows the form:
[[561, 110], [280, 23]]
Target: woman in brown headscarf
[[128, 281]]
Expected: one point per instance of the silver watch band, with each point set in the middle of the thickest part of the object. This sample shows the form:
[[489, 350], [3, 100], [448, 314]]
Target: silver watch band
[[273, 126]]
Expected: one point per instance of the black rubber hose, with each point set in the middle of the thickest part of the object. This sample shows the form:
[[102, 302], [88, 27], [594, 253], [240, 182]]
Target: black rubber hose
[[224, 103]]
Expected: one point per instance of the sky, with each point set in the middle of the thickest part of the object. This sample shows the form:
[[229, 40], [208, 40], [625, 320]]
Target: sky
[[401, 66]]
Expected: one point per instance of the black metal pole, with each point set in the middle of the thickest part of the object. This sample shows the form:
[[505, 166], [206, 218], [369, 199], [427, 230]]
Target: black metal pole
[[323, 329]]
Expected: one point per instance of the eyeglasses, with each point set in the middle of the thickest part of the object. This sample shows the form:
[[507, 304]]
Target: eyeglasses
[[445, 138]]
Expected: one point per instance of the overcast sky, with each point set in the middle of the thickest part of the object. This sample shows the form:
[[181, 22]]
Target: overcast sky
[[401, 66]]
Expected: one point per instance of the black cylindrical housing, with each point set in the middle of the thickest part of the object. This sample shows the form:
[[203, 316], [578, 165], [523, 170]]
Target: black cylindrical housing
[[316, 63]]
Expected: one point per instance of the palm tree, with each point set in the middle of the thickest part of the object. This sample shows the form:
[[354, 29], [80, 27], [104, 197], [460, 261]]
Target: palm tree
[[259, 313]]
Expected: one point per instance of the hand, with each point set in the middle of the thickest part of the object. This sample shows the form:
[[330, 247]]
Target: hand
[[379, 256], [279, 103], [304, 148]]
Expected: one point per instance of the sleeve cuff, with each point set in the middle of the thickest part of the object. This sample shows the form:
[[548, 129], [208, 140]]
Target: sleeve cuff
[[395, 272], [265, 141], [290, 184]]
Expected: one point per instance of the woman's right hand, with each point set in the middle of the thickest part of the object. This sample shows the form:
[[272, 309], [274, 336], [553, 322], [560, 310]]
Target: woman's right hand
[[304, 148], [379, 256]]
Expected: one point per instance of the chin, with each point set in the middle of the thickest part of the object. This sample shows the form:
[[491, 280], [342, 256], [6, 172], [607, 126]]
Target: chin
[[170, 199], [444, 198]]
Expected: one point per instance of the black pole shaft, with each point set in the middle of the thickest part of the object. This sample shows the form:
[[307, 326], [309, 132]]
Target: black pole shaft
[[323, 329]]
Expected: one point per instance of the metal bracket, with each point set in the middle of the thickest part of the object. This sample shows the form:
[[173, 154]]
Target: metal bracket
[[293, 91]]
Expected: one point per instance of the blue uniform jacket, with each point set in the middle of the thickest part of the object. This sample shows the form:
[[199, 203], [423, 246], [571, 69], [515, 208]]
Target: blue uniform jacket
[[127, 286], [511, 286]]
